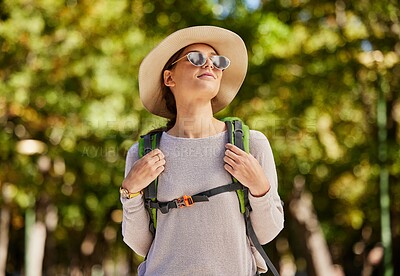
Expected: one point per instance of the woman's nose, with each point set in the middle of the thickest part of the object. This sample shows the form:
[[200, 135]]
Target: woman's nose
[[209, 63]]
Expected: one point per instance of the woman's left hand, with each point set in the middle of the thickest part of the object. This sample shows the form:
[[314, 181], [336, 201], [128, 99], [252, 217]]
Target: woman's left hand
[[246, 169]]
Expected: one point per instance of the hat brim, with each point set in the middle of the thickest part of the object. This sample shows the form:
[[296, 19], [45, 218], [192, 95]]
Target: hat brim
[[225, 42]]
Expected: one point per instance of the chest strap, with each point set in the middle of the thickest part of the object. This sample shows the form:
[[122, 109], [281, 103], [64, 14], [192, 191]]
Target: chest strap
[[186, 200]]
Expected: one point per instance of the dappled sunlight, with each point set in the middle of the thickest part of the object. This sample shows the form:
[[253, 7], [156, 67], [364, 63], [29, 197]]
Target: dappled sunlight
[[31, 146], [322, 85], [328, 137], [348, 188]]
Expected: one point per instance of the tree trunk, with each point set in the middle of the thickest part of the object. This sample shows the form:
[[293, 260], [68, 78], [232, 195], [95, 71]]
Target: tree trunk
[[4, 238], [35, 243], [318, 256]]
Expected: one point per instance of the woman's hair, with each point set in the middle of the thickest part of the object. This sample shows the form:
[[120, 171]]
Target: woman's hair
[[167, 93]]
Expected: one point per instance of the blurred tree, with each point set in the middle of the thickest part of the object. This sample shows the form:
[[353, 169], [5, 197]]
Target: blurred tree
[[317, 70], [69, 111]]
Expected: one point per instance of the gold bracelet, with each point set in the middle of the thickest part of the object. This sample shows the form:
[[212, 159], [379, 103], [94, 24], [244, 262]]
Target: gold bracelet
[[126, 194]]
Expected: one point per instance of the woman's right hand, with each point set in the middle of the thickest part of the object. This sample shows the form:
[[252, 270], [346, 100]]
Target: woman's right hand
[[144, 171]]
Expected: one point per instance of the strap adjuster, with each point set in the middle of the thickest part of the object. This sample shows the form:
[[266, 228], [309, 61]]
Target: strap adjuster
[[184, 201]]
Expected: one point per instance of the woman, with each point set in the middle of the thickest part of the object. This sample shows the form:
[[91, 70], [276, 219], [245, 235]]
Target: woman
[[189, 76]]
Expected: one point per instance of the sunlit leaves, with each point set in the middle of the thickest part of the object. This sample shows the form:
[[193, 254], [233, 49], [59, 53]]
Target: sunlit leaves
[[354, 28], [328, 137], [275, 38], [67, 76], [73, 217], [315, 73], [68, 80], [325, 38]]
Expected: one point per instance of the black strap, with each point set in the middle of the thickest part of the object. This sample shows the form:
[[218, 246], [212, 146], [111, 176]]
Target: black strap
[[253, 237], [190, 200], [176, 203], [151, 190], [238, 134], [158, 139], [229, 127], [147, 146], [221, 189], [236, 126]]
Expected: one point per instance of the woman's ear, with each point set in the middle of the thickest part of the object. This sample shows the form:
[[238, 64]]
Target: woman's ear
[[168, 79]]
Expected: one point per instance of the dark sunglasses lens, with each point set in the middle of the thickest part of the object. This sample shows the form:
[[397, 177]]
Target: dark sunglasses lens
[[197, 58], [220, 62]]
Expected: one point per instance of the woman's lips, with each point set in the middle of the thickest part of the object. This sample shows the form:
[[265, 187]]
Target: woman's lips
[[206, 75]]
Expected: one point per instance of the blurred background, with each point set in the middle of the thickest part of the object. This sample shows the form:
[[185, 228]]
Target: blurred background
[[323, 85]]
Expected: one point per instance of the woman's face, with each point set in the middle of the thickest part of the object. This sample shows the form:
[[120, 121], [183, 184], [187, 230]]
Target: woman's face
[[188, 82]]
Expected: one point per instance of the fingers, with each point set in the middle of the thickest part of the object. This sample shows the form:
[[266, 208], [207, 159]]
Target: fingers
[[156, 163], [145, 170], [156, 153], [229, 169], [155, 157], [237, 162], [233, 163], [235, 149], [234, 156], [230, 158]]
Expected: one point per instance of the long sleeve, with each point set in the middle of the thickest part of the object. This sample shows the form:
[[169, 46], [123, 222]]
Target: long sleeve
[[215, 228], [267, 216], [135, 222]]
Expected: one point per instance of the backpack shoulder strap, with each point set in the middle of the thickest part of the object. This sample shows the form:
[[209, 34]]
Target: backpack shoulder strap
[[238, 132], [147, 143], [239, 135]]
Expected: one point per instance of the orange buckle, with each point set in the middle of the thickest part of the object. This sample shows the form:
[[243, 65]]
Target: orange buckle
[[184, 201]]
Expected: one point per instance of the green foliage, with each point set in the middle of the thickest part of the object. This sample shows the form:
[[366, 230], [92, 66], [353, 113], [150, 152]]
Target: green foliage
[[70, 110]]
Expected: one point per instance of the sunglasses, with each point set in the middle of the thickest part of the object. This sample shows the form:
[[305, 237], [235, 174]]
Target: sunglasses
[[199, 59]]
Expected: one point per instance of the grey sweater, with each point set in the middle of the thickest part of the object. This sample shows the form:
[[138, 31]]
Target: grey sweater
[[208, 238]]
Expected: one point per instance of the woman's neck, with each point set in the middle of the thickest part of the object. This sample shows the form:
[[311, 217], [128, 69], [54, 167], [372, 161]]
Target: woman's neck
[[196, 123]]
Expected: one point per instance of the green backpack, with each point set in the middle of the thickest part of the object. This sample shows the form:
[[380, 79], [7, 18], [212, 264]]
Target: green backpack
[[238, 134]]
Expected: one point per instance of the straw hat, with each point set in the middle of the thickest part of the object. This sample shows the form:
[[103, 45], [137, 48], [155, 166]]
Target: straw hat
[[225, 42]]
